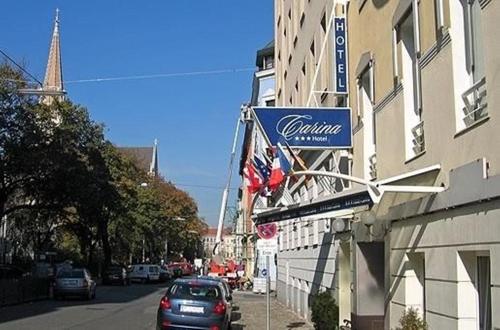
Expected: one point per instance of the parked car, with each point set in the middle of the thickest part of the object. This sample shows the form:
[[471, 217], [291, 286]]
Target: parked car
[[74, 282], [195, 304], [176, 269], [115, 274], [227, 288], [165, 274], [144, 273]]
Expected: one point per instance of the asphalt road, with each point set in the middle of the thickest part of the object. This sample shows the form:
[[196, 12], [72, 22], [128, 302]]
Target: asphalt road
[[115, 307], [134, 307]]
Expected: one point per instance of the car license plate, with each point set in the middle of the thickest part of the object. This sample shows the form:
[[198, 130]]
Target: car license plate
[[70, 282], [191, 309]]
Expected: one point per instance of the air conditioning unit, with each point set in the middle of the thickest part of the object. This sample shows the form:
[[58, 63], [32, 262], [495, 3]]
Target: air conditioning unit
[[341, 225]]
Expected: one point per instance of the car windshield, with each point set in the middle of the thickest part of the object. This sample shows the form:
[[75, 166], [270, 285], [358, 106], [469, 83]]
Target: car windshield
[[71, 274], [194, 291]]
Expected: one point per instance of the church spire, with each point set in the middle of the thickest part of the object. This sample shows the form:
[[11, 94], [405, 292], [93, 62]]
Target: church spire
[[53, 81]]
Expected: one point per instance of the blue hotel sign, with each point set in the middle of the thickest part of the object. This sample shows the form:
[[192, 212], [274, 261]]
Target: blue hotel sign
[[306, 128], [340, 55]]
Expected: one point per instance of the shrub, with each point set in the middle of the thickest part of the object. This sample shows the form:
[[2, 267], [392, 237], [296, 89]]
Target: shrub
[[325, 312], [412, 321]]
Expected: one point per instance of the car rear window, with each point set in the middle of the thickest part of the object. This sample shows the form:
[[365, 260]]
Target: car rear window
[[153, 269], [195, 291], [71, 274]]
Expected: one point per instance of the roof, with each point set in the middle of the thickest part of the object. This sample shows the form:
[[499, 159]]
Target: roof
[[141, 156], [268, 50], [213, 231]]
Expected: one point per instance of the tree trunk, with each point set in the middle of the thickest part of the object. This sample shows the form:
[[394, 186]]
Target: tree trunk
[[106, 247]]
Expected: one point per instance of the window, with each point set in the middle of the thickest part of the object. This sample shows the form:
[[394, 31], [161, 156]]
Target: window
[[323, 23], [468, 63], [299, 233], [287, 231], [289, 58], [303, 69], [281, 237], [302, 19], [414, 276], [270, 103], [484, 291], [474, 281], [306, 226], [407, 39], [365, 111], [295, 41]]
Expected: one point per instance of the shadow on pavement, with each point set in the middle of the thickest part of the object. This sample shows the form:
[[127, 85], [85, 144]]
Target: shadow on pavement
[[104, 295], [294, 325]]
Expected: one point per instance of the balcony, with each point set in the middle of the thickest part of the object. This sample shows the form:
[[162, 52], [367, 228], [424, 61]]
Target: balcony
[[418, 140], [475, 107]]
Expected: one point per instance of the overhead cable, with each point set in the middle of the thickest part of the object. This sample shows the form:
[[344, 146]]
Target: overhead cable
[[160, 75]]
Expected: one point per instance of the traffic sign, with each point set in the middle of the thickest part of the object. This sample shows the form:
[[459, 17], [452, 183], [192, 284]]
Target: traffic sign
[[269, 253], [264, 272], [267, 231]]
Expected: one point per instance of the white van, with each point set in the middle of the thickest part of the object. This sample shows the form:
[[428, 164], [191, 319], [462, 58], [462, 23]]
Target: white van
[[144, 273]]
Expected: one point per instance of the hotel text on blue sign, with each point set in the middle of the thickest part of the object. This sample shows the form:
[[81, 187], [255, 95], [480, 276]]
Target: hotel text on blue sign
[[340, 55], [306, 128]]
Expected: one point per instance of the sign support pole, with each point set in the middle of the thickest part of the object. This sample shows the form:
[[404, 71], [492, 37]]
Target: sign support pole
[[268, 294]]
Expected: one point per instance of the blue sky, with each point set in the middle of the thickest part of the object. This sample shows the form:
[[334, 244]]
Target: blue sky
[[193, 117]]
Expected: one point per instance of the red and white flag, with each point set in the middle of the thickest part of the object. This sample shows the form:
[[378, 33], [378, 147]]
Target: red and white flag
[[252, 180]]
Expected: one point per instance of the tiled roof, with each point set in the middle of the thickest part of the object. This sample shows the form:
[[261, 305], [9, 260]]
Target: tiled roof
[[141, 156]]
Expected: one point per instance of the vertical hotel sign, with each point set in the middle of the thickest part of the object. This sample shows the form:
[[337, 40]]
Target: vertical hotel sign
[[340, 55]]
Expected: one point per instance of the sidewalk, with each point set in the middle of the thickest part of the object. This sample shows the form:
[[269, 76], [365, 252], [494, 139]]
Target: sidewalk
[[249, 313]]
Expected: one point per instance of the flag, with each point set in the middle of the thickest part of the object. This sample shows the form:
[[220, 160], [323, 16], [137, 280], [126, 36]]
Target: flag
[[281, 168], [252, 179], [286, 165], [262, 167]]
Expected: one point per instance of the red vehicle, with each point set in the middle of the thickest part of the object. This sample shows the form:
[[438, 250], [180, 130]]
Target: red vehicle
[[185, 268]]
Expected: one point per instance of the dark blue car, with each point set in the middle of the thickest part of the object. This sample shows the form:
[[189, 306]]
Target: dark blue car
[[194, 304]]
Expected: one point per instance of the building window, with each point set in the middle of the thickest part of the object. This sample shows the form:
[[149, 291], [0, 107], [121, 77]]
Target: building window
[[468, 62], [323, 23], [304, 69], [474, 281], [302, 19], [408, 39], [270, 103], [279, 22], [307, 224], [289, 58], [415, 282], [295, 40], [365, 111], [287, 231]]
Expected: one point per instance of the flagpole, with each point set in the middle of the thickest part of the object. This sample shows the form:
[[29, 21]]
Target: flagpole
[[225, 194]]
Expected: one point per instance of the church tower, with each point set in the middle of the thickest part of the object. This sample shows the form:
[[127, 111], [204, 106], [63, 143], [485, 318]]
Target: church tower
[[53, 82]]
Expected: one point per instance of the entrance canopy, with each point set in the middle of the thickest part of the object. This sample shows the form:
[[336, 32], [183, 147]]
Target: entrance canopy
[[348, 199]]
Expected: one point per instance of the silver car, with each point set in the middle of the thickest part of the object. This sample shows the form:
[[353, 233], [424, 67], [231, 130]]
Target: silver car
[[74, 282]]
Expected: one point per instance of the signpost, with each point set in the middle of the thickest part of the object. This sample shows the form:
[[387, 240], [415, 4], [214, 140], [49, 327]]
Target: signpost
[[268, 246], [267, 231], [268, 295]]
